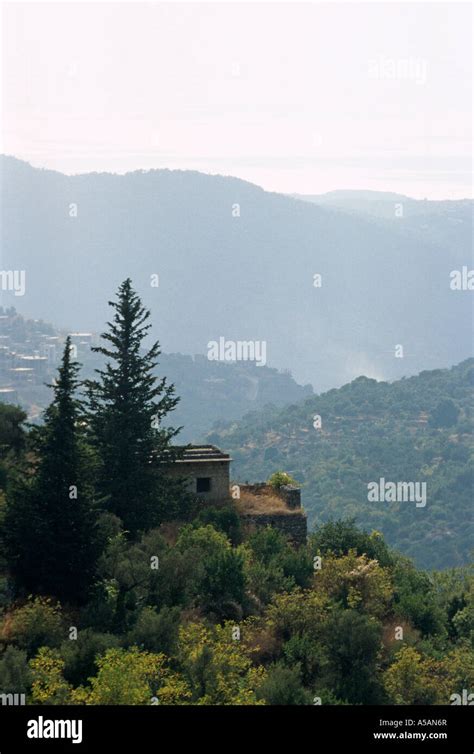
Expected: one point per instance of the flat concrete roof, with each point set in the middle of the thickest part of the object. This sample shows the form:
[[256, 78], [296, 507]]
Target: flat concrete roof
[[202, 454]]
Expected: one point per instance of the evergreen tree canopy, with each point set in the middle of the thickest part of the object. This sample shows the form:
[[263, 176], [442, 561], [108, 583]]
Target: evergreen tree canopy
[[50, 521], [127, 404]]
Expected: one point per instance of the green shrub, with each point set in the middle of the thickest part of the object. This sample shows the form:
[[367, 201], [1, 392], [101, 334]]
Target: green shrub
[[280, 478], [225, 519], [282, 686], [80, 654], [15, 677], [38, 623], [156, 631]]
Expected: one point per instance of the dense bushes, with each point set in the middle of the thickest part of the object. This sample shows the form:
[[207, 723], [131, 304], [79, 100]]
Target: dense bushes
[[297, 634]]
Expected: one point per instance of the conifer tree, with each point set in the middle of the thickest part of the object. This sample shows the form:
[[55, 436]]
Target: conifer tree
[[127, 404], [50, 526]]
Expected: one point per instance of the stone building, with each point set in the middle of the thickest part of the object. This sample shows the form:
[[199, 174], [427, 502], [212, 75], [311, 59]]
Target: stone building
[[206, 471]]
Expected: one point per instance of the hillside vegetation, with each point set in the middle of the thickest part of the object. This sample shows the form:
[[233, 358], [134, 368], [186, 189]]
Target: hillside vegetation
[[119, 587], [413, 430]]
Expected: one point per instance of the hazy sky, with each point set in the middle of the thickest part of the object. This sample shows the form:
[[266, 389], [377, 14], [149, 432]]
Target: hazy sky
[[294, 97]]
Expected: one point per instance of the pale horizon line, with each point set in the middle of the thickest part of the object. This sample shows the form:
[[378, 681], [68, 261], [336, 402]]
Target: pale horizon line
[[293, 194]]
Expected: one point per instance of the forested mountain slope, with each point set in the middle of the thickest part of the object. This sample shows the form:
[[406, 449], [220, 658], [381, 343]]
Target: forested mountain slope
[[414, 430], [239, 262]]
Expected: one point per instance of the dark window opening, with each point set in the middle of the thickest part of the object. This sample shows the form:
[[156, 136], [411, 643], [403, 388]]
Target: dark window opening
[[203, 484]]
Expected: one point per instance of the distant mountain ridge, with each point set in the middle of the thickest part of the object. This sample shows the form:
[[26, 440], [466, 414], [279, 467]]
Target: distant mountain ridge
[[383, 203], [238, 262]]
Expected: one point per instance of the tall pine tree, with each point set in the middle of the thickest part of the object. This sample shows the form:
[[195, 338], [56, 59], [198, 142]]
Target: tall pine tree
[[50, 527], [127, 405]]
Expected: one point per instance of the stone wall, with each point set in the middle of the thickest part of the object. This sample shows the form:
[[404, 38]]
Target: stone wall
[[291, 495], [292, 525], [216, 471]]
